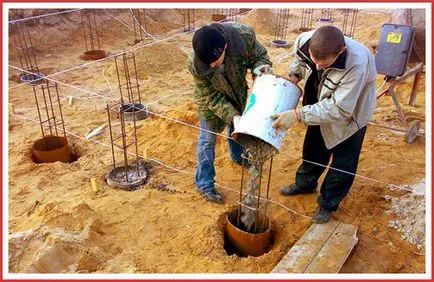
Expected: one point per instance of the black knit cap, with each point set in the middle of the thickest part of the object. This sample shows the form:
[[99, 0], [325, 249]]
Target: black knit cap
[[208, 44]]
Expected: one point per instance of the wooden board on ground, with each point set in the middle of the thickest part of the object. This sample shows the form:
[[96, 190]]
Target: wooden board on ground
[[324, 248]]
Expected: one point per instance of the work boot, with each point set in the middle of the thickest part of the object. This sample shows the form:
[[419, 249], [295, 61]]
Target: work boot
[[294, 189], [212, 196], [321, 215]]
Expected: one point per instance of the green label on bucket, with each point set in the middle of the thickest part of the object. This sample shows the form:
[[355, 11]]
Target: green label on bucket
[[252, 101]]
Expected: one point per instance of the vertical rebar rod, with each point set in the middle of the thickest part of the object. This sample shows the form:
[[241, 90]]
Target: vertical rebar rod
[[119, 80], [14, 31], [259, 198], [89, 23], [39, 112], [128, 79], [137, 79], [142, 22], [268, 190], [306, 19], [60, 110], [281, 24], [52, 108], [409, 17], [241, 189], [36, 68], [124, 142], [285, 23], [326, 14], [353, 24], [25, 48], [83, 24], [90, 30], [347, 27], [188, 17], [277, 28], [96, 30], [135, 140], [135, 26], [46, 109], [111, 136]]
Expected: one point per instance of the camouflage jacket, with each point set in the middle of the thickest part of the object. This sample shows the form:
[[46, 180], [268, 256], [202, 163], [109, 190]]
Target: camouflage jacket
[[222, 93]]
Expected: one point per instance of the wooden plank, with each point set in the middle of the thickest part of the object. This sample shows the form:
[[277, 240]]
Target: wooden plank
[[336, 250], [323, 248], [306, 249]]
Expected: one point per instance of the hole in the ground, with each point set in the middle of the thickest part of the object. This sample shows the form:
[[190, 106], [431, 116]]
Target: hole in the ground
[[93, 55], [238, 241], [50, 149]]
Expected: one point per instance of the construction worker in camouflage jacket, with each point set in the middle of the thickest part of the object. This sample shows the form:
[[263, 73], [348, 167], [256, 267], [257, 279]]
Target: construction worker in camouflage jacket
[[223, 52]]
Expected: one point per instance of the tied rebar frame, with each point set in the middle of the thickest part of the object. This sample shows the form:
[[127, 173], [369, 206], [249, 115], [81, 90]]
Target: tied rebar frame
[[188, 16], [281, 28], [139, 24], [49, 121], [90, 30], [258, 205], [132, 88], [326, 15], [128, 65], [306, 19], [26, 53], [349, 22]]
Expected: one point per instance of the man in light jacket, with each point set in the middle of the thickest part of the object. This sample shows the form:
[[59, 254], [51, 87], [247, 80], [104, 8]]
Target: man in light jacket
[[339, 100]]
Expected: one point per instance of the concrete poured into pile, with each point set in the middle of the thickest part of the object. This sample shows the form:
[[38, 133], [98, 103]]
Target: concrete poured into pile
[[258, 152]]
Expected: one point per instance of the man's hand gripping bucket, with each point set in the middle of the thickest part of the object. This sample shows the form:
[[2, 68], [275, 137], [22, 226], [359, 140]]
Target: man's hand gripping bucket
[[270, 95]]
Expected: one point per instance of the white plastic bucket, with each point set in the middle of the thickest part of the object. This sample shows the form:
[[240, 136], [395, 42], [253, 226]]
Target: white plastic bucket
[[270, 95]]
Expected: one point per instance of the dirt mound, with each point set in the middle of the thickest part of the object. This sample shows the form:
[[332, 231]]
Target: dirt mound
[[156, 61], [165, 137], [260, 19], [62, 241]]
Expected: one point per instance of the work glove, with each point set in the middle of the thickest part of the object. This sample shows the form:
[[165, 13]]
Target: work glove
[[262, 69], [285, 120]]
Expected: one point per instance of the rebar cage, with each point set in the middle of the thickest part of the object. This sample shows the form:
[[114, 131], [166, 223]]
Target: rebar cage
[[50, 117], [26, 54], [258, 204]]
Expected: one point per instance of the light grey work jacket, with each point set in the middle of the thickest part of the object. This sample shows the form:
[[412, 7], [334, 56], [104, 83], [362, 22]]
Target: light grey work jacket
[[346, 93]]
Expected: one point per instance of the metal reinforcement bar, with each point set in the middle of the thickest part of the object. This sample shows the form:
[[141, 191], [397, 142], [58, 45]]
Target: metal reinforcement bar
[[25, 49], [349, 22], [50, 119], [90, 30], [188, 16]]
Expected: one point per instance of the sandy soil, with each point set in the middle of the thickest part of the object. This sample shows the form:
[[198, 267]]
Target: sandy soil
[[57, 223]]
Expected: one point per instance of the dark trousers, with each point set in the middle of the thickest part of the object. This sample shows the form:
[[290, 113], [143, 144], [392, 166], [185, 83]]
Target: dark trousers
[[345, 157]]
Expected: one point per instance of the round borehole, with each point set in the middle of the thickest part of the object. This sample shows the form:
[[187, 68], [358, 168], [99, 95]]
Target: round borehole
[[238, 241], [93, 55], [129, 177], [51, 149], [131, 111], [33, 79]]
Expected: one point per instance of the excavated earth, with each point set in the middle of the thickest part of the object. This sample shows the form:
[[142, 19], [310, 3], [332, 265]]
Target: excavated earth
[[58, 223]]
